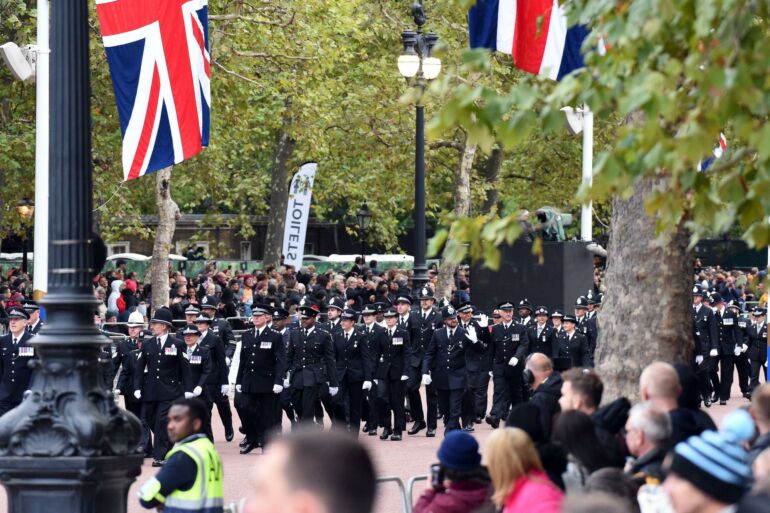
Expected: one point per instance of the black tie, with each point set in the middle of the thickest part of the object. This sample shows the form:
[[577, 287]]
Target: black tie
[[451, 334], [347, 337], [15, 341]]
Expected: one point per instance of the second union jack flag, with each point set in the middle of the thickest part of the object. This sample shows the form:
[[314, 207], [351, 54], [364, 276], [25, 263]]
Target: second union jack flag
[[160, 65]]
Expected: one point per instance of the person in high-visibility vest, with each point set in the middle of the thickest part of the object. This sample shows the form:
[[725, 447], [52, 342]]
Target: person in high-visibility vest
[[191, 479]]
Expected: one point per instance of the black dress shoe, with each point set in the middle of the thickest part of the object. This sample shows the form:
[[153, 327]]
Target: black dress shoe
[[385, 434], [492, 421], [365, 429], [243, 442], [431, 432], [229, 435], [722, 403], [418, 426], [478, 420], [246, 449], [469, 429], [372, 432], [157, 463], [241, 430], [396, 436], [707, 403]]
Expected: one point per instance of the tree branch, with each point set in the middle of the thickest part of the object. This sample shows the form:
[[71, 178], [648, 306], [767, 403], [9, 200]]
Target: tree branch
[[446, 144], [231, 72], [262, 55], [233, 16], [728, 163]]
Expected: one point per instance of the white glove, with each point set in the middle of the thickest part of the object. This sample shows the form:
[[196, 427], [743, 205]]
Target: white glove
[[471, 334], [277, 389], [491, 374], [426, 380], [698, 360], [483, 321], [375, 381], [138, 394], [713, 352], [189, 395], [737, 351], [513, 361], [286, 383], [116, 392], [225, 389], [367, 385], [238, 388], [333, 391], [227, 361], [197, 391], [404, 378], [744, 348]]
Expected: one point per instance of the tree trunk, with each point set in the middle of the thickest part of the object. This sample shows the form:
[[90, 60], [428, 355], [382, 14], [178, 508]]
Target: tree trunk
[[279, 198], [168, 213], [647, 308], [491, 173], [446, 270]]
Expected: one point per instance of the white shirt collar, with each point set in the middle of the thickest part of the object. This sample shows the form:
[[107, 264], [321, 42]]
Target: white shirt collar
[[162, 339]]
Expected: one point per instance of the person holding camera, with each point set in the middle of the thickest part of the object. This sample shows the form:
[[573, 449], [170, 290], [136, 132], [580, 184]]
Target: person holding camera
[[459, 483]]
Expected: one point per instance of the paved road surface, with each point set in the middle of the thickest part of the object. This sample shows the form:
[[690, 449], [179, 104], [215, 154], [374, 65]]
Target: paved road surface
[[411, 457]]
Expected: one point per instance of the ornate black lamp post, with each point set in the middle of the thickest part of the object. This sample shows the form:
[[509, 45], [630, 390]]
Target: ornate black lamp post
[[67, 447], [364, 218], [418, 67], [26, 209]]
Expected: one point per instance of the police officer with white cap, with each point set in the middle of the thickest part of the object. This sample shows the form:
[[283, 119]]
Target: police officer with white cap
[[122, 364]]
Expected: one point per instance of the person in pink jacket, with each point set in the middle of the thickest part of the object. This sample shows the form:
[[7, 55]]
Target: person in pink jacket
[[520, 484]]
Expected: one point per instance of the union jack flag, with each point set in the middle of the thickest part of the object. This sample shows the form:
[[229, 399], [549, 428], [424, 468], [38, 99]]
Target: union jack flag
[[704, 164], [160, 65]]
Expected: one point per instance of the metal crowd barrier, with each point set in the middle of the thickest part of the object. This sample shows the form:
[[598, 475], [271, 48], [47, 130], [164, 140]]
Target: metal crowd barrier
[[410, 487], [406, 504]]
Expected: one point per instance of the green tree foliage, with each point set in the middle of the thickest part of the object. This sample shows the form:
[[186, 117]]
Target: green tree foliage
[[676, 73]]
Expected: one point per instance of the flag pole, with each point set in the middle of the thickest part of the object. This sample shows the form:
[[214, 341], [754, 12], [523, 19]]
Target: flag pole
[[586, 230], [40, 251]]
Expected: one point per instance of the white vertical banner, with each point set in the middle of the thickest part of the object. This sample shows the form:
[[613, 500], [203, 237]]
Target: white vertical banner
[[297, 214]]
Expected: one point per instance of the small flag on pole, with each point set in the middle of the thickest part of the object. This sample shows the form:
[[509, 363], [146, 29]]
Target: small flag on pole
[[718, 152]]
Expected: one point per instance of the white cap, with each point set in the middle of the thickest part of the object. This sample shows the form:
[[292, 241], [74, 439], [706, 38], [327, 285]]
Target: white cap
[[136, 319]]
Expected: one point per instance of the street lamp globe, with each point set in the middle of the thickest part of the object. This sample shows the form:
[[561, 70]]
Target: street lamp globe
[[431, 67], [26, 209], [408, 65], [364, 217]]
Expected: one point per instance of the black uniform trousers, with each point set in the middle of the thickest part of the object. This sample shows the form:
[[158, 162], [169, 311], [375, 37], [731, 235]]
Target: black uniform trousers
[[390, 395], [415, 400], [135, 407], [259, 410], [155, 414], [702, 374], [478, 386], [284, 405], [373, 405], [348, 404], [756, 367], [213, 395], [451, 403], [508, 388], [726, 370], [742, 366], [304, 400]]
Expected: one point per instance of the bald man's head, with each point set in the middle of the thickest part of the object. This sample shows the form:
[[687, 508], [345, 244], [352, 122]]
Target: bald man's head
[[539, 362], [659, 381]]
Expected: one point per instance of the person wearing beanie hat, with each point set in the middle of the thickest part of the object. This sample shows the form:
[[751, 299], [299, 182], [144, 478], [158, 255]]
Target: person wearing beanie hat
[[710, 473], [459, 484]]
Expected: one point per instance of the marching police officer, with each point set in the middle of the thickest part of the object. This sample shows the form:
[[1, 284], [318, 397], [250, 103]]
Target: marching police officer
[[333, 311], [162, 375], [509, 345], [728, 333], [121, 359], [573, 345], [216, 388], [525, 314], [391, 360], [477, 366], [706, 341], [281, 325], [201, 366], [757, 339], [15, 354], [354, 368], [374, 336], [219, 327], [542, 336], [428, 320], [741, 357], [260, 379], [586, 326], [190, 314], [310, 362], [447, 350], [33, 323]]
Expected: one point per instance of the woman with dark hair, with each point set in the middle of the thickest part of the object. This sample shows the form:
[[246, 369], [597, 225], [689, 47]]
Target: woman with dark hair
[[575, 432]]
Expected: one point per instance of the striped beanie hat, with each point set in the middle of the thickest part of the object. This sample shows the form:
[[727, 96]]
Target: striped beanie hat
[[716, 462]]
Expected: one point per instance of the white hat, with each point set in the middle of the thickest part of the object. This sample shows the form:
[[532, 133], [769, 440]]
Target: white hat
[[135, 319]]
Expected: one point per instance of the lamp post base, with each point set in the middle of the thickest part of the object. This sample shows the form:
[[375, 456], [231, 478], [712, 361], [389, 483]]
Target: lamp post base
[[69, 485]]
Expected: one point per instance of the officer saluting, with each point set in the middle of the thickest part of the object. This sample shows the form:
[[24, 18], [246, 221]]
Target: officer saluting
[[216, 387], [445, 365], [310, 362], [15, 354], [162, 375], [259, 379], [509, 347]]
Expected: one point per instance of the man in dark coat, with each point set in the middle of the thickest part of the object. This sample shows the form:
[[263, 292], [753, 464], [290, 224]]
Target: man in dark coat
[[375, 336], [311, 363], [219, 327], [166, 380], [428, 319], [477, 365], [216, 387], [445, 365], [15, 354], [546, 388], [260, 379], [728, 334], [392, 359], [354, 368], [706, 343], [757, 341]]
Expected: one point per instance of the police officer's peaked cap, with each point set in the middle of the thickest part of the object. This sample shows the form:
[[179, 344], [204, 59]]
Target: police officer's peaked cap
[[465, 308], [404, 299], [191, 329], [758, 311], [369, 310], [260, 310], [557, 313], [348, 313], [391, 312], [192, 310], [17, 313], [541, 310], [569, 318], [202, 317], [163, 316], [505, 305], [31, 306]]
